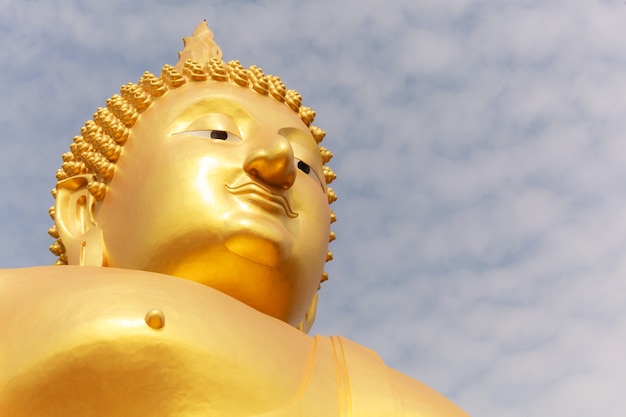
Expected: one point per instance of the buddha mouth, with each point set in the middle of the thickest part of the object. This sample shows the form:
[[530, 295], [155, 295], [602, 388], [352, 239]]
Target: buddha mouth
[[264, 196]]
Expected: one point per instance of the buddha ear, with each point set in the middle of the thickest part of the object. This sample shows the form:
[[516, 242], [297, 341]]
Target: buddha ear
[[75, 220]]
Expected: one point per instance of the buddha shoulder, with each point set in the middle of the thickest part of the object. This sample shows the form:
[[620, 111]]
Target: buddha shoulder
[[98, 334], [121, 342]]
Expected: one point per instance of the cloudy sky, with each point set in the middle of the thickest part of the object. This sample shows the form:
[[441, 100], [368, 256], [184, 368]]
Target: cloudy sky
[[481, 157]]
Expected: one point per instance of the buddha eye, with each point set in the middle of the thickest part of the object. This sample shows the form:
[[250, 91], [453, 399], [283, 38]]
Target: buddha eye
[[306, 168], [218, 135]]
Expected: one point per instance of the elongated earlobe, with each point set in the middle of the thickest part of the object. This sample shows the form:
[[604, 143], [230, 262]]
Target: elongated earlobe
[[75, 221]]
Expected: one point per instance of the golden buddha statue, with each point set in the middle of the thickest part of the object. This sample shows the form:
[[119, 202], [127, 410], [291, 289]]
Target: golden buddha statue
[[192, 221]]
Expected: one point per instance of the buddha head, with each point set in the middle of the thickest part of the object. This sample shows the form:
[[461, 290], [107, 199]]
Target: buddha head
[[209, 172]]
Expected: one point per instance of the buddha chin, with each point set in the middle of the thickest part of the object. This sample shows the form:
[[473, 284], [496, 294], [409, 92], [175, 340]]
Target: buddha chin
[[256, 249]]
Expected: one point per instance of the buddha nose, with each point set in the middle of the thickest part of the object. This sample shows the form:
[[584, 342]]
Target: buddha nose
[[272, 163]]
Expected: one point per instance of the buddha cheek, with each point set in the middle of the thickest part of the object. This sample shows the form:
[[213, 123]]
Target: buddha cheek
[[308, 259]]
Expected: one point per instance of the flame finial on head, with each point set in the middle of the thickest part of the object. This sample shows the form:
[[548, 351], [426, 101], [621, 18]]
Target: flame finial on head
[[200, 47]]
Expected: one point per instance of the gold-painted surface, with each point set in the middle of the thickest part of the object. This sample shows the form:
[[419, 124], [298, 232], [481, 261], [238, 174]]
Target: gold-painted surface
[[193, 211], [74, 342]]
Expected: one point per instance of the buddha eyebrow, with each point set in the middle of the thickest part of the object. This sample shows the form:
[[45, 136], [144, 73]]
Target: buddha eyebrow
[[298, 135], [213, 105]]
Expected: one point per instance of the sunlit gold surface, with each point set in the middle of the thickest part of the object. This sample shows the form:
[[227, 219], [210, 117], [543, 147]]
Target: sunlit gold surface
[[75, 342], [193, 212]]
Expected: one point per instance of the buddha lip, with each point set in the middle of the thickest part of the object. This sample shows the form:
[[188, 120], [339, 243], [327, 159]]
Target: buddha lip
[[265, 194]]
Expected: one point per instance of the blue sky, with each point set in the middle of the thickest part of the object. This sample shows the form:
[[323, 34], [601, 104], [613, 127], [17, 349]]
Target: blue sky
[[479, 147]]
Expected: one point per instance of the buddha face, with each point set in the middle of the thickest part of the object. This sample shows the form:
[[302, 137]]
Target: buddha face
[[223, 186]]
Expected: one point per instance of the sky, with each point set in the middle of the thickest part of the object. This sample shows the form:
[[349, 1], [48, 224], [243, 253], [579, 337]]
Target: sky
[[480, 151]]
